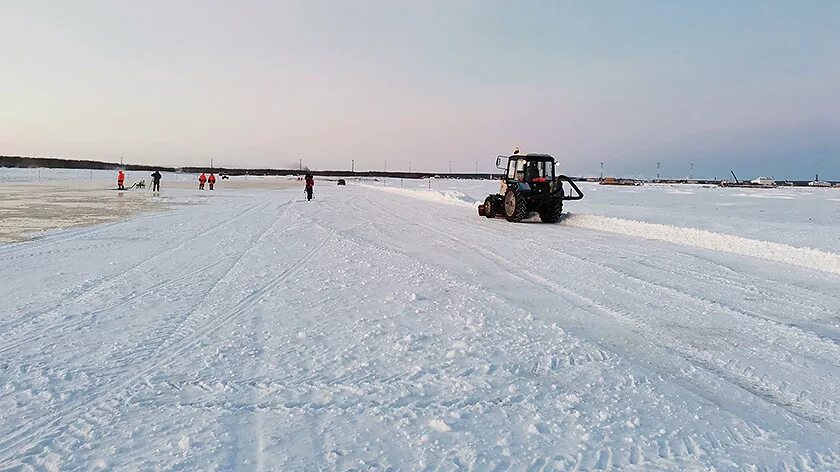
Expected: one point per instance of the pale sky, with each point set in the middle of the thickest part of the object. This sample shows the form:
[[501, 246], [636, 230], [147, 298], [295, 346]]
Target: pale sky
[[749, 85]]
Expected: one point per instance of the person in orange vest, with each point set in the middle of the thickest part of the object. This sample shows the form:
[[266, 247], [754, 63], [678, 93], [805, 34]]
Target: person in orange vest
[[120, 180], [201, 179], [211, 180]]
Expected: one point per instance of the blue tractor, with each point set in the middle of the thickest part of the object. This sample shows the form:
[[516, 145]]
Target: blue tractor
[[529, 186]]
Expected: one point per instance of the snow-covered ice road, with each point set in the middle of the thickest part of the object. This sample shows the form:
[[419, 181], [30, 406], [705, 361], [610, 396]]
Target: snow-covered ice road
[[370, 330]]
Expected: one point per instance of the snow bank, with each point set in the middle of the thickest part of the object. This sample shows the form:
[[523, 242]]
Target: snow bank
[[800, 256], [445, 196]]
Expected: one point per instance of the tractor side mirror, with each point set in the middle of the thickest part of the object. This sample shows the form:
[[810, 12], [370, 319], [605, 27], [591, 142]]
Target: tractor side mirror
[[499, 162]]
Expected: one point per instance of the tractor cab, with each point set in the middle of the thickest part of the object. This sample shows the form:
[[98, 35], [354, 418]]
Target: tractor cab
[[529, 185], [531, 172], [528, 167]]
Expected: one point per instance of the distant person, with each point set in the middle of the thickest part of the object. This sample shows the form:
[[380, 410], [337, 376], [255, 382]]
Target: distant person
[[211, 180], [201, 179], [121, 180], [156, 181], [310, 183]]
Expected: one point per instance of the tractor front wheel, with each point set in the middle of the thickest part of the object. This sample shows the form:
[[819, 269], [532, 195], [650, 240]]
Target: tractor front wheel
[[489, 208], [516, 209]]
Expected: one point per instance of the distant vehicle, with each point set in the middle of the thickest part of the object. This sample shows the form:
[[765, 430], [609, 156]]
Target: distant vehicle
[[761, 182], [819, 183], [224, 176], [764, 182], [341, 182], [529, 186], [614, 181]]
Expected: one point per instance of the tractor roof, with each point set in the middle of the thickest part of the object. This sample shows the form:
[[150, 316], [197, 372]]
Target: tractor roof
[[533, 157]]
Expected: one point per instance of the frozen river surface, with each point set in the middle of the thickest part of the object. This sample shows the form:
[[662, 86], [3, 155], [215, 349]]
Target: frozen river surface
[[376, 327]]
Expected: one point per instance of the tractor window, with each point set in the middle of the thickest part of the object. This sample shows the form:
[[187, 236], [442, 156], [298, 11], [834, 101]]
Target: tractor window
[[532, 170], [539, 171], [511, 172], [520, 169], [547, 170]]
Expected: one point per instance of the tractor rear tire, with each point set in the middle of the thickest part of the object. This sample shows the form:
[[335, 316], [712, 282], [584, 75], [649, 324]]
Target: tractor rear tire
[[489, 208], [552, 212], [516, 209]]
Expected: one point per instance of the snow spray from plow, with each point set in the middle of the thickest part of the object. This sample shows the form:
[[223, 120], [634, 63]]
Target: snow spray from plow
[[783, 253]]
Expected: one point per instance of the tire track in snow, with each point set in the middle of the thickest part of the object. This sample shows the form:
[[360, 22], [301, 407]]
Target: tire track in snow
[[598, 310], [62, 236], [240, 256], [110, 281], [53, 425], [186, 326], [772, 396], [79, 320], [796, 330]]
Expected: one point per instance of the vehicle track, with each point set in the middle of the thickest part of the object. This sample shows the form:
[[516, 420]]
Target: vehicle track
[[62, 236], [53, 425], [112, 280], [28, 338], [607, 314], [795, 330]]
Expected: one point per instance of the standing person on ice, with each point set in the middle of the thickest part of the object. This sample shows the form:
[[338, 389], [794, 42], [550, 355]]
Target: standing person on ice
[[211, 180], [156, 181], [201, 179], [120, 180], [310, 183]]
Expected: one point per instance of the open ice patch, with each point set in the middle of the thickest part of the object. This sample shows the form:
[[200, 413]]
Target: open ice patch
[[799, 256]]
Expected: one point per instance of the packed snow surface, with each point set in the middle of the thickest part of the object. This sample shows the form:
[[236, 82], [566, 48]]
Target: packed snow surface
[[382, 326]]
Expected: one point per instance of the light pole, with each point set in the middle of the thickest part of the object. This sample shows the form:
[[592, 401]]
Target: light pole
[[657, 169], [602, 171], [691, 172], [450, 167], [352, 165], [300, 164]]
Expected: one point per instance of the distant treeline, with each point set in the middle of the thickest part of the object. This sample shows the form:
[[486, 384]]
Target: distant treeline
[[56, 163]]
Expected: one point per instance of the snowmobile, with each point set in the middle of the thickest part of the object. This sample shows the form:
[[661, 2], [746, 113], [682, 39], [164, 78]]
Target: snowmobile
[[529, 186]]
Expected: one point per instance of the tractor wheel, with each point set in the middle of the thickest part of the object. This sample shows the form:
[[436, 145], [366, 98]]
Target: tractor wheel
[[489, 208], [516, 209], [552, 212]]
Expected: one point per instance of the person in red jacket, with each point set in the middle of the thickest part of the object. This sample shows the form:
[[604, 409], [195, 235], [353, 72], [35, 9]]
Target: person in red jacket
[[211, 180], [201, 179], [310, 183], [120, 180]]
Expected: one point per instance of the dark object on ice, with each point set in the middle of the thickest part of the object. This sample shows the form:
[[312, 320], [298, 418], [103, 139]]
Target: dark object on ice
[[529, 186], [223, 176], [761, 182], [614, 181], [156, 181], [341, 182], [310, 184]]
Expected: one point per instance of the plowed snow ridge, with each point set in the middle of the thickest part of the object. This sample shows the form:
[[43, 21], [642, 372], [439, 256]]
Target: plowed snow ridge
[[803, 257], [445, 196], [800, 256]]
